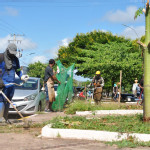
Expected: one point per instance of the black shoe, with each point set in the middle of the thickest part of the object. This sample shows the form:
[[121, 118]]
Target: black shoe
[[8, 122]]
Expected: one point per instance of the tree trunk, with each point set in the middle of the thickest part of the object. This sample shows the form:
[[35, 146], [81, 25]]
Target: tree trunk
[[146, 108]]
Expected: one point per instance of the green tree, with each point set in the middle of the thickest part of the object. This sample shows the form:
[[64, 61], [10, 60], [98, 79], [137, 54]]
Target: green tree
[[105, 52], [37, 70]]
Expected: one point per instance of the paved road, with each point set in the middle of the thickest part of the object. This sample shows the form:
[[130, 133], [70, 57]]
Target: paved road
[[11, 141]]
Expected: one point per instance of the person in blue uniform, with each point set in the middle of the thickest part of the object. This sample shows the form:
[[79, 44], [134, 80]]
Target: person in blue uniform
[[9, 65]]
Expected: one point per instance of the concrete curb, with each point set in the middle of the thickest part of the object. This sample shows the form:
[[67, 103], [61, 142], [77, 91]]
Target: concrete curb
[[109, 112], [49, 132]]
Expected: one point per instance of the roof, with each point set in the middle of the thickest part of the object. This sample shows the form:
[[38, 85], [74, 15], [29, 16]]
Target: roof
[[29, 77]]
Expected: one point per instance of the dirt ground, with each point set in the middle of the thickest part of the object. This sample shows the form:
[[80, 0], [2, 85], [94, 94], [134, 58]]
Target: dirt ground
[[29, 139]]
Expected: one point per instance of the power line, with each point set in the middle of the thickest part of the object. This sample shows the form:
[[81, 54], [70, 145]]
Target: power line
[[132, 29], [80, 3], [10, 26], [67, 1], [5, 27]]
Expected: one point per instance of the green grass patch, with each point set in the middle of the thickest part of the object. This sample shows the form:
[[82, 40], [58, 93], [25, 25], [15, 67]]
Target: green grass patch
[[129, 124], [79, 105], [132, 143]]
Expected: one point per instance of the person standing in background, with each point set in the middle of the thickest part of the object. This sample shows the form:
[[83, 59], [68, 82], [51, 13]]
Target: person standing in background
[[49, 85], [98, 83], [134, 87], [115, 92], [141, 85]]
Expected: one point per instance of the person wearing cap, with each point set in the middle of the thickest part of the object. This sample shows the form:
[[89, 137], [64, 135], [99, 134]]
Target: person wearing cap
[[115, 92], [98, 83], [9, 65], [135, 87]]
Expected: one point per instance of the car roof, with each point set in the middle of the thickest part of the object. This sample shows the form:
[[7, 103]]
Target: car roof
[[30, 78]]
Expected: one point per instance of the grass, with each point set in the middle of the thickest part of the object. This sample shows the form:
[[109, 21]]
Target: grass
[[129, 124], [132, 143], [79, 105]]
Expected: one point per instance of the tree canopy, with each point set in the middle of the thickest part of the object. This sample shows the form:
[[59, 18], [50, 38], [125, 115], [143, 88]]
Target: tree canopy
[[103, 51], [37, 70]]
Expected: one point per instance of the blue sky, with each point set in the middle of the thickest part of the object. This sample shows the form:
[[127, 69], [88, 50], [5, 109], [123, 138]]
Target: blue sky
[[48, 24]]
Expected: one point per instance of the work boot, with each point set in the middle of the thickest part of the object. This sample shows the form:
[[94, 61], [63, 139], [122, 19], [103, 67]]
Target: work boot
[[8, 122]]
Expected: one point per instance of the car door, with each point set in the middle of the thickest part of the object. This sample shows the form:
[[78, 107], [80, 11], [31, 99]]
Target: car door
[[41, 97]]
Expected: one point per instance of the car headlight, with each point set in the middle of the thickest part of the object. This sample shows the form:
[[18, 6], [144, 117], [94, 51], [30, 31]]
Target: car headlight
[[30, 98]]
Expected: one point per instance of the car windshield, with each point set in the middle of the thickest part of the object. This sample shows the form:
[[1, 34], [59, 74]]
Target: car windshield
[[31, 84]]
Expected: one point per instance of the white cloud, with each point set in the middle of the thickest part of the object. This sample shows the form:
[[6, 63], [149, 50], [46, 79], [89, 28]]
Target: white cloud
[[65, 42], [54, 51], [26, 44], [4, 43], [134, 32], [42, 59], [9, 11], [120, 16], [79, 78]]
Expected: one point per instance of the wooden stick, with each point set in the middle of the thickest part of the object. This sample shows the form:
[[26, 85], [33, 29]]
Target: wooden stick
[[12, 105]]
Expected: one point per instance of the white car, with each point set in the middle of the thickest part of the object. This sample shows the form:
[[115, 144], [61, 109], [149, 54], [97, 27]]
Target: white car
[[28, 98]]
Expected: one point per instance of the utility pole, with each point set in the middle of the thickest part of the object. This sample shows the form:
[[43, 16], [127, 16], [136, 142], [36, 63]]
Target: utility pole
[[16, 41], [14, 38]]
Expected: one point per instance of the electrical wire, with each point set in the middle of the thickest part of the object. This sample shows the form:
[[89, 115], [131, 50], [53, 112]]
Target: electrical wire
[[10, 30], [4, 30], [81, 3], [10, 26], [68, 1]]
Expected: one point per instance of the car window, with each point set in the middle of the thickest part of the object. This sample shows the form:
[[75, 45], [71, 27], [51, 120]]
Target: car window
[[31, 84]]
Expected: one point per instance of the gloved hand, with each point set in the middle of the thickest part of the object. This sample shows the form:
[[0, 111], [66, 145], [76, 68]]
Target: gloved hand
[[24, 78]]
